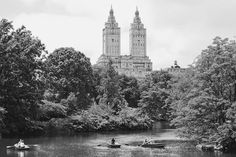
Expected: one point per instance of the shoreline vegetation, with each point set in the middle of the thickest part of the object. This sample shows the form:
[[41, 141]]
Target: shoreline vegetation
[[60, 92], [96, 119]]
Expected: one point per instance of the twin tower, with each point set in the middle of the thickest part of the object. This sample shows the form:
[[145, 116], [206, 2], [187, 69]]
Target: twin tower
[[137, 63], [111, 37]]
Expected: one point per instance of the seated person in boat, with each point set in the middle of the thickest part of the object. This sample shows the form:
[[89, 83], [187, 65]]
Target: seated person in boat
[[113, 141], [146, 141], [20, 144]]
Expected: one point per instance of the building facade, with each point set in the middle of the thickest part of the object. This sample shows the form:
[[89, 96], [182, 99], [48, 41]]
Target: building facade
[[137, 64], [175, 69]]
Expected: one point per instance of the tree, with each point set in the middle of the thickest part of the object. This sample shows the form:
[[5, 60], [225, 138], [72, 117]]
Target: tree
[[69, 71], [98, 74], [129, 88], [155, 92], [20, 72], [71, 104], [204, 110], [181, 85], [109, 90]]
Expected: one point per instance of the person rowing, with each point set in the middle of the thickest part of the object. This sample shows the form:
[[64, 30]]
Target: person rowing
[[114, 144], [113, 141]]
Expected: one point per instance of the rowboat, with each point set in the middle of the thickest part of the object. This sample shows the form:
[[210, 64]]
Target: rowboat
[[114, 145], [153, 145], [25, 147]]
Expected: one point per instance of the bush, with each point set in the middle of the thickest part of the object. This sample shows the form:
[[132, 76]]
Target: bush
[[49, 110], [100, 118]]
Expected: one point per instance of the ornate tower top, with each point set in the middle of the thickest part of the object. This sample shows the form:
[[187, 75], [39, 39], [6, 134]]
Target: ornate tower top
[[111, 22], [137, 19], [137, 37], [111, 36], [137, 23]]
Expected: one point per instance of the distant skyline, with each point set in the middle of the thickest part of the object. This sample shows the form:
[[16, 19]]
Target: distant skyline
[[176, 29]]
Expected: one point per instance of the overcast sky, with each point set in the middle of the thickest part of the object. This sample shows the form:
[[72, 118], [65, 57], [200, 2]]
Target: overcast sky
[[176, 29]]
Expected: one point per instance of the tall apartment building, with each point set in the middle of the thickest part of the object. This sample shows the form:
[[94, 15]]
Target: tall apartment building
[[137, 64]]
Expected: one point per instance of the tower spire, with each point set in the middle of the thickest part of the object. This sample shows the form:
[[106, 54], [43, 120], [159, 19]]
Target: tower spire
[[137, 18], [111, 11], [111, 17], [137, 12]]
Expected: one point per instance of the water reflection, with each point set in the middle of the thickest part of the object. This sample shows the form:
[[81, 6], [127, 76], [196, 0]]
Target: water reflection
[[16, 153]]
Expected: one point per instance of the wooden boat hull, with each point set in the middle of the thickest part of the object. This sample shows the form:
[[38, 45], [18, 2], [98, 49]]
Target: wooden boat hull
[[153, 145], [114, 146], [18, 148], [27, 147]]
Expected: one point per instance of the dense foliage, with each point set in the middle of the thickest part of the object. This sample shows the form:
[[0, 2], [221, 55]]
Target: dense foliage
[[69, 71], [206, 106], [109, 90], [129, 88], [48, 110], [110, 113], [155, 92], [102, 118], [20, 70]]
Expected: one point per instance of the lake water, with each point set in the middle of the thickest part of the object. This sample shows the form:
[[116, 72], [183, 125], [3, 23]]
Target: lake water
[[94, 145]]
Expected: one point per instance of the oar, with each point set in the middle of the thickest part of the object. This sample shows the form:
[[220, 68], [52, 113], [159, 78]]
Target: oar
[[102, 144], [148, 142], [10, 147], [33, 145]]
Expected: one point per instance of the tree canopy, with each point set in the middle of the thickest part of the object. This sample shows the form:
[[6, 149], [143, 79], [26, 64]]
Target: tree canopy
[[20, 72], [109, 90], [205, 108], [69, 71], [129, 88], [155, 92]]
